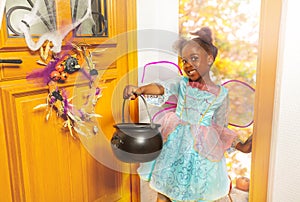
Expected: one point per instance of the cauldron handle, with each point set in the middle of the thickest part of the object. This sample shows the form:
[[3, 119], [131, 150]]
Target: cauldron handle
[[151, 121]]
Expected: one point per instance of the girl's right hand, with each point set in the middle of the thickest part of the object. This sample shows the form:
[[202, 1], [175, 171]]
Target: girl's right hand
[[130, 92]]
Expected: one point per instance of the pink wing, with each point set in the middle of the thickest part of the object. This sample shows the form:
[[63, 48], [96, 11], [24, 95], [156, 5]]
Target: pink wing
[[161, 70], [241, 98], [241, 94]]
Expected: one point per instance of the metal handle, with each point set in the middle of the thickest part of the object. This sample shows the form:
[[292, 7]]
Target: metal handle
[[151, 121], [11, 61]]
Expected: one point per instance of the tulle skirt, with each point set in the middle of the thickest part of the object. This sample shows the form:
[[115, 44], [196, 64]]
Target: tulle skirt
[[182, 173]]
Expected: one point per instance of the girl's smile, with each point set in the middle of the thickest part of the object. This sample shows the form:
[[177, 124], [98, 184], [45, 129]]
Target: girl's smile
[[191, 72]]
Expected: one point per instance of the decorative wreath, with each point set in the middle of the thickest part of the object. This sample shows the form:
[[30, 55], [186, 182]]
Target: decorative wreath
[[57, 69]]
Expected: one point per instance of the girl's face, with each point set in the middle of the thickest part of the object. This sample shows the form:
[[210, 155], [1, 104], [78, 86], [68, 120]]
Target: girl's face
[[196, 61]]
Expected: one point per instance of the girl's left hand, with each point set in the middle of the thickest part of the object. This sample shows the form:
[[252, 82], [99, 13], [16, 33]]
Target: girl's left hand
[[245, 147]]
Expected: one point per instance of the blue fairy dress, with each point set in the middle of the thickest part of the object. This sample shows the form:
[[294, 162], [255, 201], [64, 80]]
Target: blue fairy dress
[[191, 166]]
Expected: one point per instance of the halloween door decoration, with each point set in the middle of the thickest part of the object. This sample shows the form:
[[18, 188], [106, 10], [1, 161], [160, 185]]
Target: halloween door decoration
[[57, 68]]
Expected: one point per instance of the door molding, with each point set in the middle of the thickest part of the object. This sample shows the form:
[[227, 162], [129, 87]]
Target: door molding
[[264, 98]]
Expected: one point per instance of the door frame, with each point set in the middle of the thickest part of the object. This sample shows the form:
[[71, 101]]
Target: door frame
[[264, 98]]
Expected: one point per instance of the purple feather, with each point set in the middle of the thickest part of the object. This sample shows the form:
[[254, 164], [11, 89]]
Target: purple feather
[[43, 74], [65, 100], [98, 91], [52, 100], [86, 74]]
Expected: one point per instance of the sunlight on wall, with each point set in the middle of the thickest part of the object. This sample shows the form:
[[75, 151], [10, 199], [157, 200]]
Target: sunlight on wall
[[156, 15]]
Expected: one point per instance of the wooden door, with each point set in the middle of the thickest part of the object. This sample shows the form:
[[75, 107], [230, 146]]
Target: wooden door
[[40, 160]]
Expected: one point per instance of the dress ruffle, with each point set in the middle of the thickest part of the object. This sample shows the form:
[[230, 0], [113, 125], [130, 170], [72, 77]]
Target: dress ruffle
[[209, 141]]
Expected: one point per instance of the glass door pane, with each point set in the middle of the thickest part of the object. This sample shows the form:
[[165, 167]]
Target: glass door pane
[[90, 28], [45, 20]]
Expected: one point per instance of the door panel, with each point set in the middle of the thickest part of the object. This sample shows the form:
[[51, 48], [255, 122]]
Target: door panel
[[46, 160], [17, 71], [5, 185], [52, 164], [42, 161]]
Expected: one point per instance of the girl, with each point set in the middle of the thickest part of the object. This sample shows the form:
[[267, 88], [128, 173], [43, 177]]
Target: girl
[[191, 166]]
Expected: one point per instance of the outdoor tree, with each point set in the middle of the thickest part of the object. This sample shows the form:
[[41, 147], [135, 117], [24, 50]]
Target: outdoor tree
[[235, 25]]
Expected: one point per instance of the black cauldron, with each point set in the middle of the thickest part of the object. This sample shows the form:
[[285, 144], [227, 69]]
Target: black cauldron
[[136, 142]]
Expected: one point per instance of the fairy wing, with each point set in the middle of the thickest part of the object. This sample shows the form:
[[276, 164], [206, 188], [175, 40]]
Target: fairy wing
[[241, 94], [241, 103], [159, 71]]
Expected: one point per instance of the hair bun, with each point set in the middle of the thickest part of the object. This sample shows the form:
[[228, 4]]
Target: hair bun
[[204, 33]]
